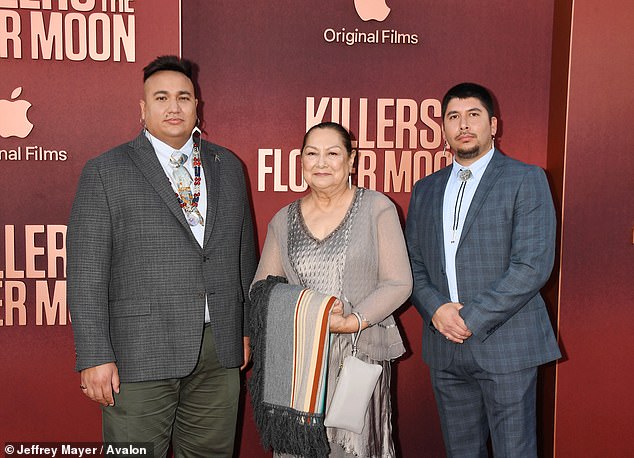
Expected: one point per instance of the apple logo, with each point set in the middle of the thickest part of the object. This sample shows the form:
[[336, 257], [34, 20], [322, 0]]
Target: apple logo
[[372, 9], [13, 120]]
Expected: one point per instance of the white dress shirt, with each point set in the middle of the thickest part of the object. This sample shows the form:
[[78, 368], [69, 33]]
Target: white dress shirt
[[451, 235]]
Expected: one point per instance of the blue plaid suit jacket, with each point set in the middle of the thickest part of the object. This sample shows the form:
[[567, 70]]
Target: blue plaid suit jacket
[[504, 257]]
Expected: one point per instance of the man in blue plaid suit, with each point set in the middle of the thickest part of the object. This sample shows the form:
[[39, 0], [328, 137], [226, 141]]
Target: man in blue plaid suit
[[481, 240]]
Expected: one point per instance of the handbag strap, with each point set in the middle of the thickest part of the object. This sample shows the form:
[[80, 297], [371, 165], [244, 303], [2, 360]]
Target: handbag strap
[[355, 335]]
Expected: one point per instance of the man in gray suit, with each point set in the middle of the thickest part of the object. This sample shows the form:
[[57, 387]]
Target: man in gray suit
[[481, 240], [160, 258]]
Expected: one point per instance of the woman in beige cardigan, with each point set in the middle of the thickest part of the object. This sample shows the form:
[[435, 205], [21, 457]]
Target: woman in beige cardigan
[[347, 242]]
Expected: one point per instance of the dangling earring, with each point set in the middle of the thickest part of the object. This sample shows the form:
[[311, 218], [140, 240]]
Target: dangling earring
[[349, 181], [444, 149]]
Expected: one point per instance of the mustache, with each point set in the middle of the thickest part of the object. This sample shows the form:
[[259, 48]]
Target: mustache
[[464, 134]]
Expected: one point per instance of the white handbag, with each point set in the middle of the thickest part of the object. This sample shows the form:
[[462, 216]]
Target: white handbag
[[355, 385]]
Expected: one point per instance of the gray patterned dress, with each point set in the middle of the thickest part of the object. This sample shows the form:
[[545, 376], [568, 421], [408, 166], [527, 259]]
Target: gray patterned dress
[[320, 264]]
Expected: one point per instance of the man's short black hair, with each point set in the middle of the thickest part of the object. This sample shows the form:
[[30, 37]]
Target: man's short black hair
[[465, 91], [171, 63]]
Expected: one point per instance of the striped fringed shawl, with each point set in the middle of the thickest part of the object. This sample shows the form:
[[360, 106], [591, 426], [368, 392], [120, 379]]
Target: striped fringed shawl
[[289, 341]]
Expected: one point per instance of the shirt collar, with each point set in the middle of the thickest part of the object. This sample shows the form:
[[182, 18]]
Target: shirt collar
[[163, 150], [477, 168]]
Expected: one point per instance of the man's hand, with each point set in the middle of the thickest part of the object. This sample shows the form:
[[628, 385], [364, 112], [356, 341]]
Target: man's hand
[[98, 382], [247, 352], [450, 324]]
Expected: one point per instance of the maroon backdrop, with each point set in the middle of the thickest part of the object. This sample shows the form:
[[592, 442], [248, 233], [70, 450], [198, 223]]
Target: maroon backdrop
[[262, 64], [84, 87], [266, 71], [595, 404]]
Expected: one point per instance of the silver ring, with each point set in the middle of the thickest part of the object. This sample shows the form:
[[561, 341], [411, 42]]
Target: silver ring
[[82, 387]]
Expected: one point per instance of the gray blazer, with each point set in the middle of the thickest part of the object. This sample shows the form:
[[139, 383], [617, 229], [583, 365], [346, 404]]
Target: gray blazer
[[137, 277], [505, 256]]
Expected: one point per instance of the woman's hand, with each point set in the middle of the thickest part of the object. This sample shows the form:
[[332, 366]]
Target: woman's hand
[[343, 324]]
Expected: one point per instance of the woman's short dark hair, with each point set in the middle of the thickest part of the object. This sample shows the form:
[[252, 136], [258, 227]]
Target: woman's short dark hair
[[343, 133], [465, 91]]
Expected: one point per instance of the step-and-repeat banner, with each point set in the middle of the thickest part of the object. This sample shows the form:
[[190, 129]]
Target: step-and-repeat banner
[[69, 90], [381, 67], [71, 80]]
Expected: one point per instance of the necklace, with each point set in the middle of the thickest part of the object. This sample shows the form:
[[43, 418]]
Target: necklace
[[190, 205], [464, 175]]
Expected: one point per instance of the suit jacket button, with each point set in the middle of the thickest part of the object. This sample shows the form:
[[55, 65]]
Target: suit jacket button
[[201, 295]]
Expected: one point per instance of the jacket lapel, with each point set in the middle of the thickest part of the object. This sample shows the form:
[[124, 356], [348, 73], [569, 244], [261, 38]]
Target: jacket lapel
[[489, 178], [211, 167], [144, 157], [437, 209]]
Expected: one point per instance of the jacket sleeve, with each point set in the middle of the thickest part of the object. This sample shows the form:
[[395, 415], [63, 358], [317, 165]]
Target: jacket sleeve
[[89, 249], [248, 261], [425, 295]]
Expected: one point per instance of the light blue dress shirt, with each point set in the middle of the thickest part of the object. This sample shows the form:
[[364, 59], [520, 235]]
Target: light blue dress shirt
[[451, 235]]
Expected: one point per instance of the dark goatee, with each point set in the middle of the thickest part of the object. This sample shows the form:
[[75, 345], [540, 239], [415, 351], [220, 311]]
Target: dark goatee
[[468, 153]]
